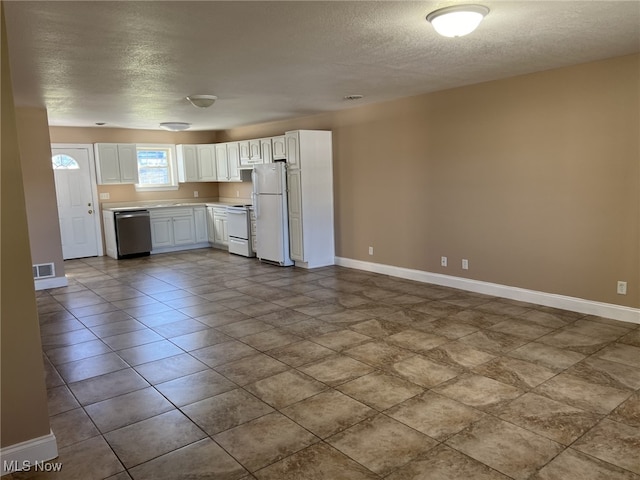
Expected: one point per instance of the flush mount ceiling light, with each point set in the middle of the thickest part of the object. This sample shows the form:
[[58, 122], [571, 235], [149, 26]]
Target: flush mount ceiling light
[[202, 101], [457, 20], [175, 126]]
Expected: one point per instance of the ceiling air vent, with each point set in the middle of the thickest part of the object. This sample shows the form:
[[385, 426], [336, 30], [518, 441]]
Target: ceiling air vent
[[44, 270]]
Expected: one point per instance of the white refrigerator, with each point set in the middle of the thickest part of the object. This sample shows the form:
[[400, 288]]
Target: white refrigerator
[[272, 217]]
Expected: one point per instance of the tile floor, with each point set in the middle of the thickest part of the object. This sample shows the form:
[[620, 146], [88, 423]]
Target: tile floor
[[207, 365]]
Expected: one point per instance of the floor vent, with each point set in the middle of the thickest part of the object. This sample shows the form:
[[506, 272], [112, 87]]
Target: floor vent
[[44, 270]]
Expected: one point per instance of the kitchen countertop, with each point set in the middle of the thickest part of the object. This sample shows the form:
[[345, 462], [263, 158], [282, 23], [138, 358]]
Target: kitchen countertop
[[149, 205]]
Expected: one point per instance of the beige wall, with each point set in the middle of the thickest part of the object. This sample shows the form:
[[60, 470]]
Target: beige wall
[[533, 179], [235, 190], [23, 397], [39, 187]]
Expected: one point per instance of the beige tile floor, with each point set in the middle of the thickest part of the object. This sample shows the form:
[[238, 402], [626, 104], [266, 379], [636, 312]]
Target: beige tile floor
[[207, 365]]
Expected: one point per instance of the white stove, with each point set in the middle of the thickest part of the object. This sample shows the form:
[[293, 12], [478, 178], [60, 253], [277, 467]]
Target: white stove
[[239, 230]]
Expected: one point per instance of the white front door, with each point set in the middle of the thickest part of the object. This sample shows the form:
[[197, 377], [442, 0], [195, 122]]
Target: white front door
[[76, 206]]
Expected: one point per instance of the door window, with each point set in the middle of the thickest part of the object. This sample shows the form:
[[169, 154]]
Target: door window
[[64, 162]]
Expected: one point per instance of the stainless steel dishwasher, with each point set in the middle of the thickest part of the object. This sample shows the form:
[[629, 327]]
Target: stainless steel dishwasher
[[133, 233]]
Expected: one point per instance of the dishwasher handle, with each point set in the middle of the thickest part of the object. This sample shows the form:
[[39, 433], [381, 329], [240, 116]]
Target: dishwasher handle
[[140, 213]]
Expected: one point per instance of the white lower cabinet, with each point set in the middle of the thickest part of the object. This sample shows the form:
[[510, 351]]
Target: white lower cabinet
[[254, 238], [161, 236], [200, 217], [217, 221], [175, 229], [110, 244], [294, 186], [184, 229]]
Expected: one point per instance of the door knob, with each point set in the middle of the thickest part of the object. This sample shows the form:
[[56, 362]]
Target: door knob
[[90, 212]]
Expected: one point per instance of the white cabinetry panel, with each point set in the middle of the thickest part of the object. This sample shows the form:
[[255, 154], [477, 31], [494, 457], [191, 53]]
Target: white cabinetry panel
[[117, 163], [310, 198]]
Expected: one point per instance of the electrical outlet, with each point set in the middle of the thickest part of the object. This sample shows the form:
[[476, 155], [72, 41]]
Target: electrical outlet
[[443, 261], [622, 288], [370, 250], [195, 194], [465, 264], [105, 196]]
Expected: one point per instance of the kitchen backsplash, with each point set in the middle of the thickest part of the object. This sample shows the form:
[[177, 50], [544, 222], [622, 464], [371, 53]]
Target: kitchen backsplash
[[230, 192], [235, 190], [128, 193]]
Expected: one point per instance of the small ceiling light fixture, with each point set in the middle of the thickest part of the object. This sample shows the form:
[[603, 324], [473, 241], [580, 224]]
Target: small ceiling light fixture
[[175, 126], [457, 20], [353, 97], [202, 101]]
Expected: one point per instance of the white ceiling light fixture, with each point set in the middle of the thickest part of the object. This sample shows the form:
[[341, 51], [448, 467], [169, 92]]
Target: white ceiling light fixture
[[457, 20], [175, 126], [202, 101]]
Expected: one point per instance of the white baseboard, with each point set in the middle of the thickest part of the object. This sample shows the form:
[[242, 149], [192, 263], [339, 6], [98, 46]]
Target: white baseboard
[[589, 307], [53, 282], [24, 455]]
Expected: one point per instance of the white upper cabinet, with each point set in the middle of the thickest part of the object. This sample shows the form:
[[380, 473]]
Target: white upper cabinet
[[187, 163], [207, 163], [197, 163], [266, 149], [279, 147], [244, 152], [228, 162], [255, 152], [292, 140], [222, 162], [233, 158], [250, 153], [116, 162]]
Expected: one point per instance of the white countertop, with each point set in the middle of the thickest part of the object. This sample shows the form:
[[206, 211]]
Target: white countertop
[[149, 205]]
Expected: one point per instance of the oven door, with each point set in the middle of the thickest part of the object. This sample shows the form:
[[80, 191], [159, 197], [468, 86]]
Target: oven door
[[238, 222]]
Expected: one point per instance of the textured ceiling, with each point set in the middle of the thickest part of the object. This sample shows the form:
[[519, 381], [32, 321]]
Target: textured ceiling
[[131, 64]]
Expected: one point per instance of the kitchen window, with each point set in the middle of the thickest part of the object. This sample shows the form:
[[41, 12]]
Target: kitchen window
[[157, 168]]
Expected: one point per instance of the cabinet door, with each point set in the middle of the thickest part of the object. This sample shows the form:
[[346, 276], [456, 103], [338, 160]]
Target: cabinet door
[[222, 162], [184, 230], [210, 226], [128, 160], [293, 149], [296, 249], [187, 163], [245, 152], [233, 156], [294, 197], [279, 148], [255, 153], [109, 234], [108, 164], [207, 163], [161, 232], [220, 229], [267, 151], [200, 218]]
